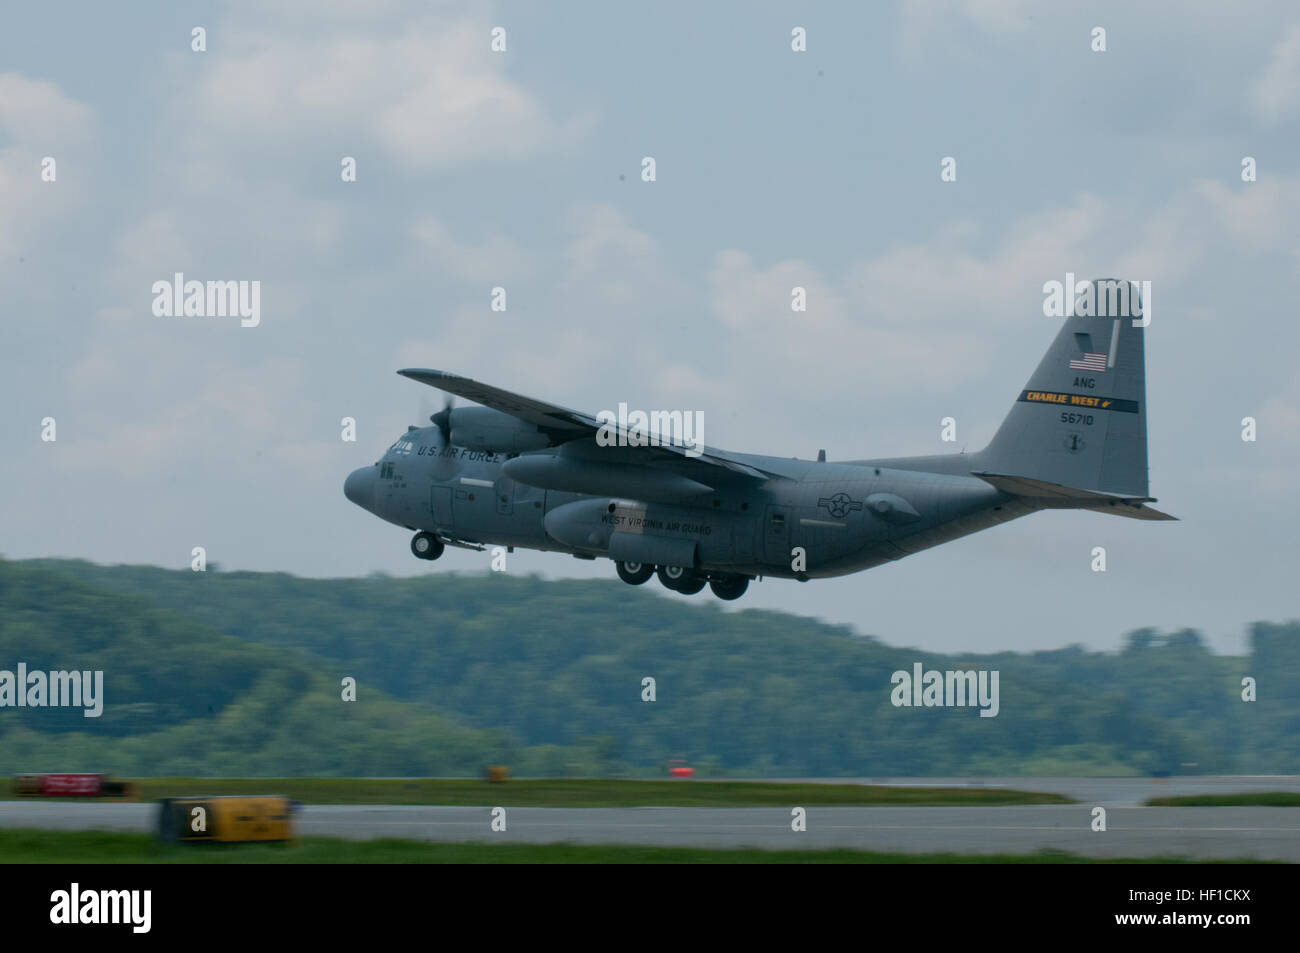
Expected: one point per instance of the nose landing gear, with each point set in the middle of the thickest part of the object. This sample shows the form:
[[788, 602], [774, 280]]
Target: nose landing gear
[[426, 546]]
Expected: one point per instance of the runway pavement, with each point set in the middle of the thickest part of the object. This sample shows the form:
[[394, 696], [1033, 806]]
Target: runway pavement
[[1203, 833], [1107, 792]]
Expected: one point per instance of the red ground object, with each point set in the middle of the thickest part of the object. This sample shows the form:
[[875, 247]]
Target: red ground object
[[68, 785], [682, 772]]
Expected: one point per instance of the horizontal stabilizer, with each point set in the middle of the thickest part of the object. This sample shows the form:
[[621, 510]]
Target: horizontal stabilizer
[[1054, 495]]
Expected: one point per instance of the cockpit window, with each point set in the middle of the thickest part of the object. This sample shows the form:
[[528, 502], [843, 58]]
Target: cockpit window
[[402, 447]]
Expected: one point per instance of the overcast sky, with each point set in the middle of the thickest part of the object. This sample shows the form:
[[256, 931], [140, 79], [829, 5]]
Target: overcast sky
[[775, 169]]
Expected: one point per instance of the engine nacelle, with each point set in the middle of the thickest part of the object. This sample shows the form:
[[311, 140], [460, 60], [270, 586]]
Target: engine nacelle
[[601, 478], [482, 428]]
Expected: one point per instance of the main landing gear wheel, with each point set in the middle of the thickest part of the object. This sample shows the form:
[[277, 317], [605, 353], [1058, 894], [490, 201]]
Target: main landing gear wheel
[[633, 573], [689, 587], [680, 579], [729, 589], [426, 546]]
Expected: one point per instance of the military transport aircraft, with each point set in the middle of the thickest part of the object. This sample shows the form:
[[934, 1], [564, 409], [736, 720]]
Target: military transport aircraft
[[521, 472]]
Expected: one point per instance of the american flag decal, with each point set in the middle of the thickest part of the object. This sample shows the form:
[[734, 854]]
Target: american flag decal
[[1089, 362]]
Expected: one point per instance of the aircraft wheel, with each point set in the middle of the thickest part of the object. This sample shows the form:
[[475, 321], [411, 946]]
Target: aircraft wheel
[[426, 546], [633, 573], [674, 576], [691, 585], [731, 588]]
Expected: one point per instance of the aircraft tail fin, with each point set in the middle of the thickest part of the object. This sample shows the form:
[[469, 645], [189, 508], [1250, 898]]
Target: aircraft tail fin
[[1079, 423]]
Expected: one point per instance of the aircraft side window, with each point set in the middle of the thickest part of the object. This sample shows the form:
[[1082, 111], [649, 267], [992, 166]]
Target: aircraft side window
[[386, 471]]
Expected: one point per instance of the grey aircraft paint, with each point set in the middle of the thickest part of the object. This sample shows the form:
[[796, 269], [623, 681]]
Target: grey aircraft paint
[[522, 472]]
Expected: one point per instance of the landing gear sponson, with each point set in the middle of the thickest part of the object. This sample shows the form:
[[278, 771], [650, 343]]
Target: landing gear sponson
[[681, 579]]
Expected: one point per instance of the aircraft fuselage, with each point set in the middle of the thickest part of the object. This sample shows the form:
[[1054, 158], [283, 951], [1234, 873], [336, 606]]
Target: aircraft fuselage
[[815, 519]]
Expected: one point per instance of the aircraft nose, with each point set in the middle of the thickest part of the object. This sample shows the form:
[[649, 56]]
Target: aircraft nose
[[359, 487]]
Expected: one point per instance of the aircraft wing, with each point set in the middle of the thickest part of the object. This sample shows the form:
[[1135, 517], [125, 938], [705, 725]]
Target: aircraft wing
[[563, 424], [550, 418]]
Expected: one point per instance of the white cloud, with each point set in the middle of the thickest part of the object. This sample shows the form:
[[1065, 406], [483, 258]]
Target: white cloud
[[36, 120], [35, 111], [923, 20], [1262, 215], [844, 342], [906, 316], [1275, 94], [177, 423], [593, 331], [150, 249], [496, 260], [615, 274], [606, 241], [430, 93], [997, 16]]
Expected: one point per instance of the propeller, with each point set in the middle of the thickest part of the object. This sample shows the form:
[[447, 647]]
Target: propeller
[[442, 420], [445, 465]]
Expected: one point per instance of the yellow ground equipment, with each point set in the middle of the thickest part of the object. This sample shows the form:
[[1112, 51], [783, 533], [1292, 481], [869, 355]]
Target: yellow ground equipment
[[237, 818]]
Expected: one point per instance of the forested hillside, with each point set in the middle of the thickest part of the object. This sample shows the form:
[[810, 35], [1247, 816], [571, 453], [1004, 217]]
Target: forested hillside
[[183, 699], [229, 673]]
